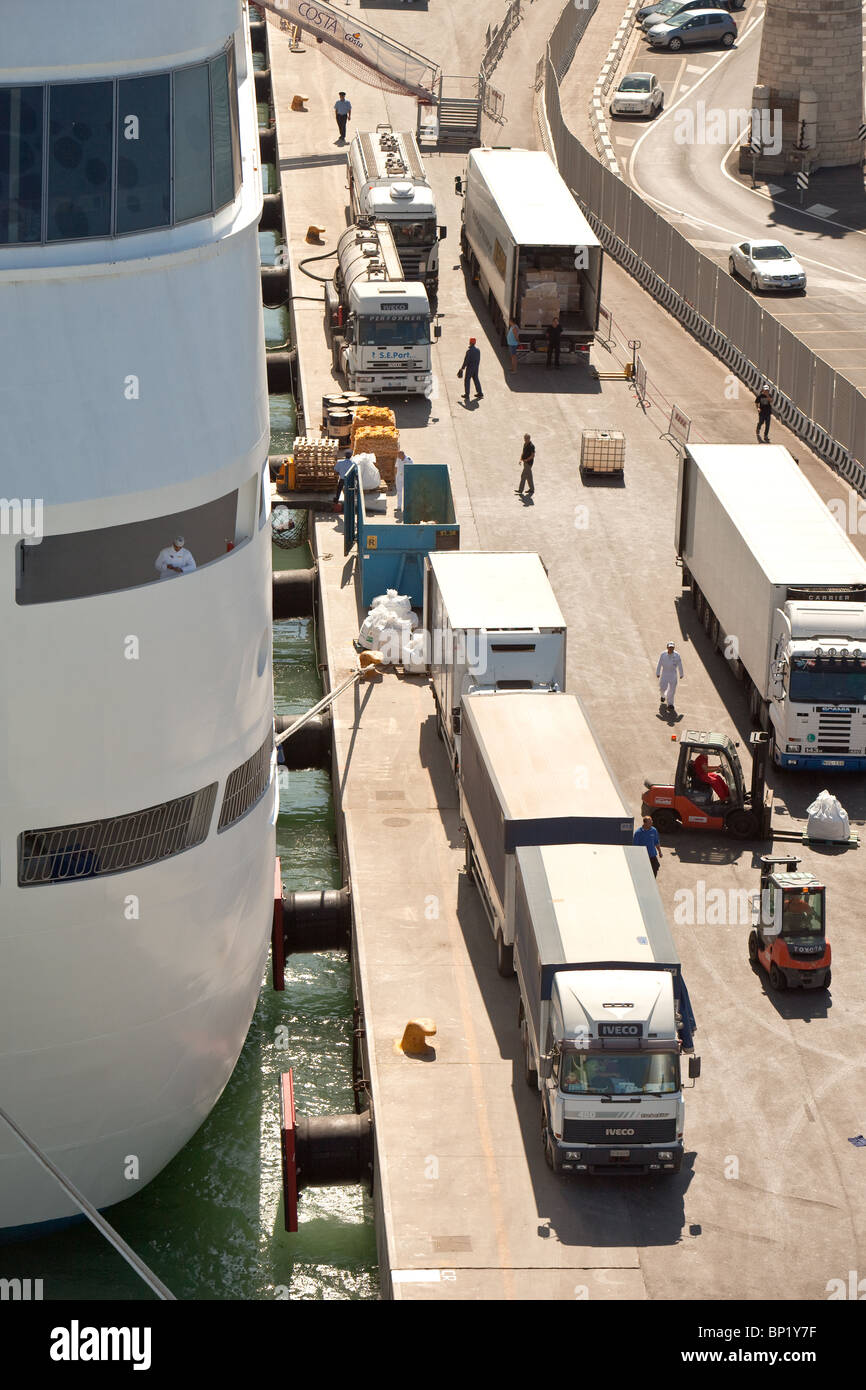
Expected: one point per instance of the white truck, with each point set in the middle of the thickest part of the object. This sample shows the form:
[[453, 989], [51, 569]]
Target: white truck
[[530, 248], [379, 323], [531, 773], [781, 590], [387, 183], [604, 1013], [493, 625]]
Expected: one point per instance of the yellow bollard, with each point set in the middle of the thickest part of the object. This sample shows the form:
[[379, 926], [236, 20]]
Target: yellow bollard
[[413, 1042], [298, 103], [314, 235]]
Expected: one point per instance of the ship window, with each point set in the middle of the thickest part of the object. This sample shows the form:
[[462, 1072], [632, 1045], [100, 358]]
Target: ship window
[[143, 153], [21, 126], [80, 129], [234, 116], [93, 849], [223, 176], [192, 164], [82, 564], [246, 786]]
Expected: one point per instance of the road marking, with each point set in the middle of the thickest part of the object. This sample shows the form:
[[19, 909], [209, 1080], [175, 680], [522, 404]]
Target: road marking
[[692, 67], [821, 210], [683, 91], [624, 140], [774, 188]]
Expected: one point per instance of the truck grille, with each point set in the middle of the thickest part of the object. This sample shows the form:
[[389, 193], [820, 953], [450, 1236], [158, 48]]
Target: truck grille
[[411, 262], [619, 1133], [834, 733]]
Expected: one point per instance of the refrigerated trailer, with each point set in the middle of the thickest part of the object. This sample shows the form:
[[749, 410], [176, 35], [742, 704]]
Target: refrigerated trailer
[[530, 248], [493, 625], [531, 773], [604, 1013], [781, 590]]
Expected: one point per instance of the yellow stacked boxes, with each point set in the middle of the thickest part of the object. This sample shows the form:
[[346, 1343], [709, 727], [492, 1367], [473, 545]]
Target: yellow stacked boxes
[[314, 461], [366, 415], [382, 441]]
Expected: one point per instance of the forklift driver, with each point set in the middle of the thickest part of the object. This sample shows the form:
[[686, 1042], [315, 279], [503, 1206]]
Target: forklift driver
[[799, 916], [710, 777]]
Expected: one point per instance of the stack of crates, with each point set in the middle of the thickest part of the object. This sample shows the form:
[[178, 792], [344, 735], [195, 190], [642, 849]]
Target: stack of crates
[[314, 461], [602, 451]]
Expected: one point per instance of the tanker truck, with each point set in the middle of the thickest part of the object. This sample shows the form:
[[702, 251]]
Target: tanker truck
[[388, 183]]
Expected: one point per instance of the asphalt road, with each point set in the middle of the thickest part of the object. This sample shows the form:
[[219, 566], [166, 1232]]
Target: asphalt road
[[685, 167]]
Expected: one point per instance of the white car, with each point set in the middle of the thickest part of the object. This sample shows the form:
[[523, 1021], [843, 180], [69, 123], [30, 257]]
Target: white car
[[638, 94], [767, 265]]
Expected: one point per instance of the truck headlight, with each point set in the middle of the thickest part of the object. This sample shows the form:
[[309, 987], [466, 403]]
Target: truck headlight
[[794, 748], [664, 1153]]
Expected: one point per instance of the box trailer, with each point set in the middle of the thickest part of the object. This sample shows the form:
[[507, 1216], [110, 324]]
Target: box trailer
[[530, 248], [531, 773], [493, 625], [781, 590], [604, 1012]]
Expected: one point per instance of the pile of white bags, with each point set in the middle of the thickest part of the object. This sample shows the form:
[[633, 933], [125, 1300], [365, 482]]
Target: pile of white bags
[[389, 627], [368, 474], [828, 820]]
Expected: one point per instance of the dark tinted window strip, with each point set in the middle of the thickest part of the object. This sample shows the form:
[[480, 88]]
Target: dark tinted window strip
[[247, 785]]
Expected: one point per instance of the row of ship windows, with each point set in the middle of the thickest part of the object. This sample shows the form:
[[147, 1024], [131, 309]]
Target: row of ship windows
[[106, 158], [84, 564], [94, 849]]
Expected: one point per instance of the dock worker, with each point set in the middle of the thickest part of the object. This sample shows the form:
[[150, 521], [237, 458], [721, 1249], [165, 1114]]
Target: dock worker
[[174, 559], [668, 671], [711, 778], [764, 402], [649, 836], [343, 113], [341, 468], [471, 363], [527, 459], [554, 339], [402, 460]]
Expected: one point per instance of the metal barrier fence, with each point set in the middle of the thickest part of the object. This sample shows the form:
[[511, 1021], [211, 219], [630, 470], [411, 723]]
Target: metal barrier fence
[[493, 101], [818, 404]]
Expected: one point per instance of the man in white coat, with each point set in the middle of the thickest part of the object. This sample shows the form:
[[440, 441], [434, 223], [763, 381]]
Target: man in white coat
[[668, 671], [402, 460], [174, 559]]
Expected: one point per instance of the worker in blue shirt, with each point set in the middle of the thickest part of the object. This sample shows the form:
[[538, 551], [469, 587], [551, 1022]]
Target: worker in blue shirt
[[470, 367], [649, 836]]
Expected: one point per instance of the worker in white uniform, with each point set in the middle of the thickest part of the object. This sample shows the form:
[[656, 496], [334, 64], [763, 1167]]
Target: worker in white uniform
[[668, 671], [174, 559], [402, 460]]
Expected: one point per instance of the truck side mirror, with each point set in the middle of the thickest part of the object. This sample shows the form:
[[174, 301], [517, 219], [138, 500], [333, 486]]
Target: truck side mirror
[[694, 1068], [437, 330], [443, 232], [458, 186], [545, 1065]]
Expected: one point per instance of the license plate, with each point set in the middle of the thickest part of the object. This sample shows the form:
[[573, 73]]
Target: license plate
[[620, 1153]]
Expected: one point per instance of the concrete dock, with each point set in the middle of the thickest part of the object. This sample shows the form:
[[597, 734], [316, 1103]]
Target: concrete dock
[[770, 1202]]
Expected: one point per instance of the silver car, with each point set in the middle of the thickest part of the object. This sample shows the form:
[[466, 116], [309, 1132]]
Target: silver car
[[767, 265], [638, 94], [699, 26]]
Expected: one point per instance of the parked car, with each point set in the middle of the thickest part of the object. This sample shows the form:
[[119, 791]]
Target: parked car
[[767, 265], [698, 26], [672, 9], [638, 93]]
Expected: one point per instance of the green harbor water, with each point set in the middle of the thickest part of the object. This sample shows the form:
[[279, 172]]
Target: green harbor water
[[211, 1224]]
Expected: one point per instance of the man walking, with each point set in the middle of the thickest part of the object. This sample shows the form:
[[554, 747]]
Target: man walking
[[399, 477], [343, 112], [527, 459], [649, 836], [554, 338], [668, 671], [764, 402], [470, 367]]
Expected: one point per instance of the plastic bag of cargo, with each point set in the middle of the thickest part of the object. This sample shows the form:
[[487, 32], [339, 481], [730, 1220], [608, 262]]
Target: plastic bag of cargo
[[373, 628], [828, 820], [368, 474], [400, 603], [415, 653]]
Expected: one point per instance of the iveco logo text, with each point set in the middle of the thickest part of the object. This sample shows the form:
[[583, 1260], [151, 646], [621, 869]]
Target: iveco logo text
[[619, 1131]]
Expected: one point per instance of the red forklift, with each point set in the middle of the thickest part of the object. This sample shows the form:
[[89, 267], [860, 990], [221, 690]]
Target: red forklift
[[788, 936], [709, 789]]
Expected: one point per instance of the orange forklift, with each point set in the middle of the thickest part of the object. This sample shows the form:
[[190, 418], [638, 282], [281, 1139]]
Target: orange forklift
[[709, 789], [788, 926]]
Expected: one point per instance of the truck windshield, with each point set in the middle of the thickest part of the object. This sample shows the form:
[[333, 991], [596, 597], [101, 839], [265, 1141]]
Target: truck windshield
[[613, 1074], [414, 233], [381, 332], [828, 680]]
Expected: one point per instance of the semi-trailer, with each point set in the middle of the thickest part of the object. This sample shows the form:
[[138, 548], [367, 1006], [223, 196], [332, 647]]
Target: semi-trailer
[[379, 323], [388, 183], [604, 1014], [530, 248], [781, 590], [531, 773], [493, 625]]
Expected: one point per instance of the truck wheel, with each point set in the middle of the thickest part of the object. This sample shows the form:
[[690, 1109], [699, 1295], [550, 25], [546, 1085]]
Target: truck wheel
[[754, 705], [742, 824], [753, 949], [547, 1141], [827, 979], [665, 820], [530, 1073], [467, 861], [504, 957], [777, 977]]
